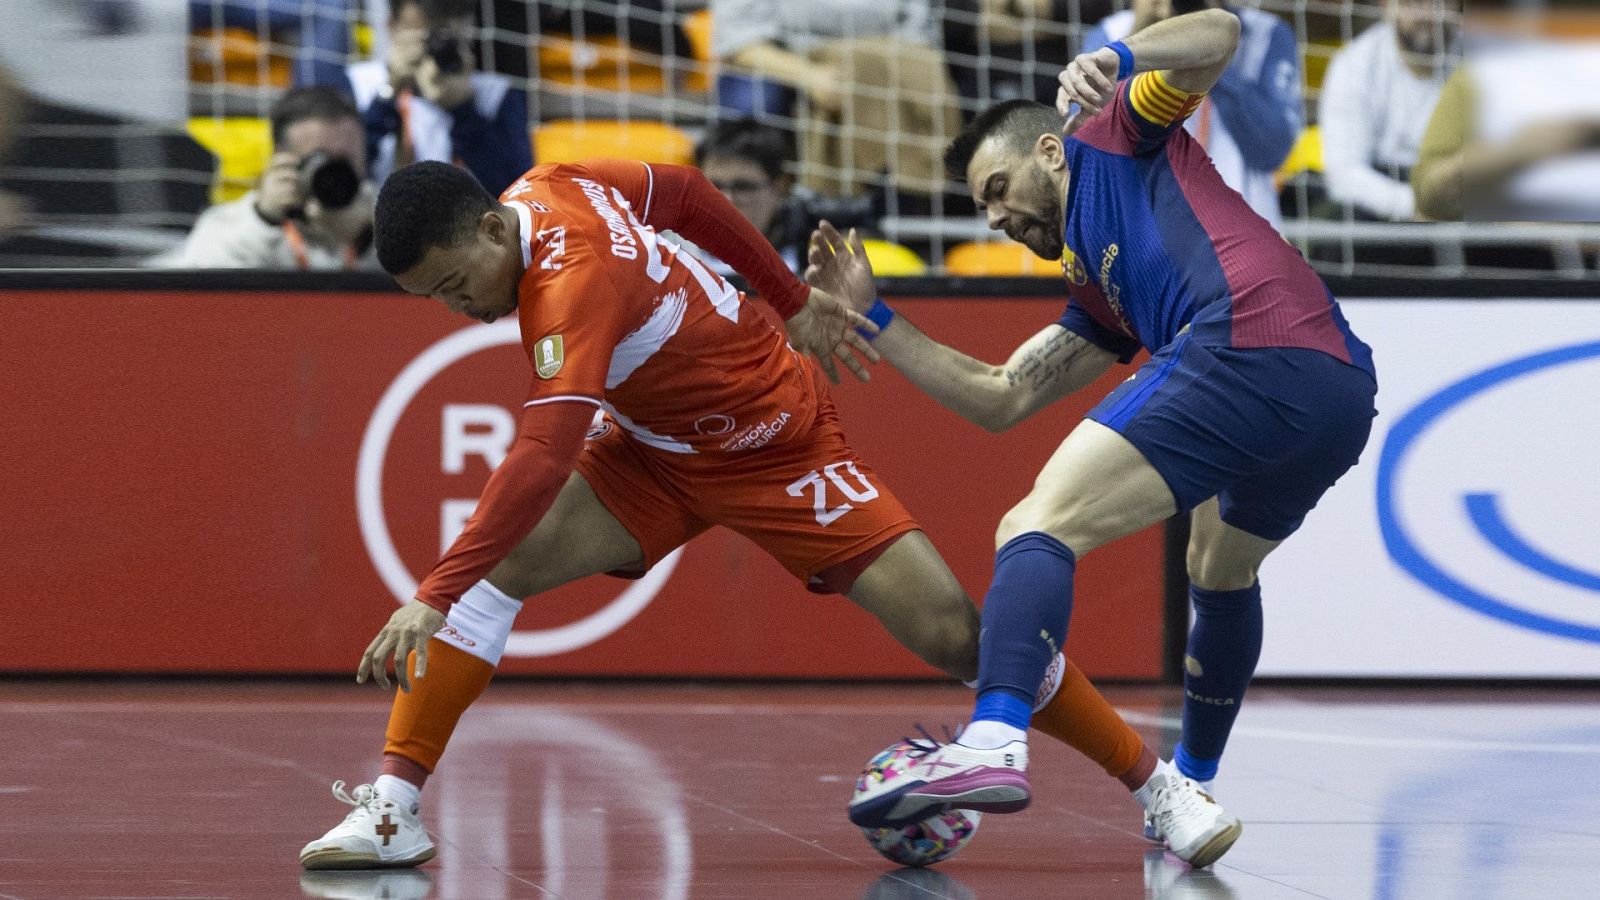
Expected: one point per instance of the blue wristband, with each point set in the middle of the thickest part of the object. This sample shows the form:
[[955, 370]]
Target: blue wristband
[[1124, 59], [880, 315]]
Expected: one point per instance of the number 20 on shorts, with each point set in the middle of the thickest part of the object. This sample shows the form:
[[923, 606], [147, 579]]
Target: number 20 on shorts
[[818, 482]]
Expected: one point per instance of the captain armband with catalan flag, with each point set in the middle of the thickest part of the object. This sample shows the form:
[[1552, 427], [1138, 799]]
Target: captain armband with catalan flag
[[1157, 103]]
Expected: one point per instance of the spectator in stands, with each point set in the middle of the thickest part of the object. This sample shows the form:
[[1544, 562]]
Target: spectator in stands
[[876, 97], [313, 207], [1252, 117], [426, 99], [1010, 49], [750, 163], [1507, 142], [322, 26], [1376, 99], [746, 161]]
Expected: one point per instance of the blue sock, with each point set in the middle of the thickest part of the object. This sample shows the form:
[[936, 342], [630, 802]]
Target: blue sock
[[1224, 645], [1024, 624]]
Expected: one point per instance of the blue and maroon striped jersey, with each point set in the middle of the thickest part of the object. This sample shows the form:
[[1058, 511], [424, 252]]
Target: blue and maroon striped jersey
[[1156, 243]]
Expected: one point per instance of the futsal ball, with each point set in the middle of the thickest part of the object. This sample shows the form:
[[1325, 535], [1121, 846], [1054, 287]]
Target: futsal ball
[[938, 837]]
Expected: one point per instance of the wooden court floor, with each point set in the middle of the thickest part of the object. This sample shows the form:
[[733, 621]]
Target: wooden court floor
[[207, 789]]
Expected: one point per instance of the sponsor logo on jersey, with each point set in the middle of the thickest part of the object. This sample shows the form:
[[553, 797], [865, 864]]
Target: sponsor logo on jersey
[[1112, 290], [757, 435], [717, 423], [548, 356]]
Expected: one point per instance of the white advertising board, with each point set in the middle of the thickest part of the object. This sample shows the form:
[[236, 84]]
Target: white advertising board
[[1467, 542]]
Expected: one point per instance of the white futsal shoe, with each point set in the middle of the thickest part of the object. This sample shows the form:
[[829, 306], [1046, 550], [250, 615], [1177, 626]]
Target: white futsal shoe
[[377, 834], [1192, 825]]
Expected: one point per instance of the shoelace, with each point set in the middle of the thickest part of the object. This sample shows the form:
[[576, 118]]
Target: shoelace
[[365, 796], [1186, 802], [928, 743]]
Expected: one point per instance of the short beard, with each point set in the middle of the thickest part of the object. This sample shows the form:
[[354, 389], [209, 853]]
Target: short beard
[[1046, 243]]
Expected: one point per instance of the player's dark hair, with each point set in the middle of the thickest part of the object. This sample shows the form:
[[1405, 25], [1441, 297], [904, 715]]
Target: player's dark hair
[[425, 204], [768, 146], [1019, 122], [305, 103]]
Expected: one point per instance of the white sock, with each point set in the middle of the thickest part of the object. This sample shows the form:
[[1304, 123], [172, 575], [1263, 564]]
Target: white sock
[[404, 794], [990, 735], [1206, 786], [1146, 792], [481, 621]]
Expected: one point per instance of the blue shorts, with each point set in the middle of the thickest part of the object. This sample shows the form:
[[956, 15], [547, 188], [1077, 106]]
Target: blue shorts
[[1266, 431]]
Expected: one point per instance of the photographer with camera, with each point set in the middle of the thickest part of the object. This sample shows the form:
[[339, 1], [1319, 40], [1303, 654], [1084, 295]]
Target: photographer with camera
[[311, 210], [748, 161], [427, 101]]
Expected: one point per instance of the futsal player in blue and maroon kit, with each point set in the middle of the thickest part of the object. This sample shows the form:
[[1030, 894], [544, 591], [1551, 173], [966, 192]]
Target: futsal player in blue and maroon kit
[[1255, 399]]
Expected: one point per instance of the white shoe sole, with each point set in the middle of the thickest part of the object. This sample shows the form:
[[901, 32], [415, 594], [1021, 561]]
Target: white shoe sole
[[1212, 849], [339, 858]]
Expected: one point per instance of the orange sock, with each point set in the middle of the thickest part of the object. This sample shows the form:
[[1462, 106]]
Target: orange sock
[[422, 721], [1080, 717]]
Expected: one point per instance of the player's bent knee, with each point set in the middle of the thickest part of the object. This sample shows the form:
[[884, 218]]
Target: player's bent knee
[[1213, 571], [1066, 525]]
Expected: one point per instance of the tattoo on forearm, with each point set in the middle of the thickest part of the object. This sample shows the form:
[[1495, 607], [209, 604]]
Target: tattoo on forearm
[[1048, 362]]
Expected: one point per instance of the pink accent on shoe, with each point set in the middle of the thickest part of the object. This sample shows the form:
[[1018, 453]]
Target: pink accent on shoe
[[974, 779]]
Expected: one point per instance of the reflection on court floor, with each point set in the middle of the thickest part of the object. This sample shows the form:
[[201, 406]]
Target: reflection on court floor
[[208, 789]]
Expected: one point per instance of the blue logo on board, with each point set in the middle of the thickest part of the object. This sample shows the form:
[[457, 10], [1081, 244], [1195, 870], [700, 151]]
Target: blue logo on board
[[1483, 509]]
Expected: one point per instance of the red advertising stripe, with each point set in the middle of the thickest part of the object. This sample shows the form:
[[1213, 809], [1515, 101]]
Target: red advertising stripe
[[181, 494]]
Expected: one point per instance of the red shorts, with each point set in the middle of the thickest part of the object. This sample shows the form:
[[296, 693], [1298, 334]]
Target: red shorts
[[810, 502]]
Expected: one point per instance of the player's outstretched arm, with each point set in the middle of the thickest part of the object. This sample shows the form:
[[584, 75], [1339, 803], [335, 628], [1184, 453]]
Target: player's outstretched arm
[[1048, 366], [1191, 51], [519, 493]]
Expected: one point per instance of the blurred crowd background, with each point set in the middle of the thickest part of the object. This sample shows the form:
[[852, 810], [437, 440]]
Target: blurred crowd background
[[1410, 138]]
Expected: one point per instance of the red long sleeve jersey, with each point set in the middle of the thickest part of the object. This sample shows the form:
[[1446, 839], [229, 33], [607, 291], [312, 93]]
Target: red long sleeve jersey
[[616, 317]]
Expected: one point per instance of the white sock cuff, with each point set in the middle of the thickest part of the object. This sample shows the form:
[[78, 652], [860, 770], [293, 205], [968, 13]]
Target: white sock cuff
[[402, 792], [481, 621], [1051, 683], [489, 590], [1146, 792]]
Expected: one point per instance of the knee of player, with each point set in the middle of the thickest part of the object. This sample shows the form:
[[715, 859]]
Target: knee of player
[[1213, 571], [1063, 524], [1020, 519]]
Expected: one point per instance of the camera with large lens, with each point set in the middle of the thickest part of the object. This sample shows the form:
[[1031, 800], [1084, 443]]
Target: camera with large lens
[[804, 209], [443, 46], [331, 179], [843, 212]]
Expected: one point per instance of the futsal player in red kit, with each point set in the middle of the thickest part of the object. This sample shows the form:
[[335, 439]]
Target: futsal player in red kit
[[711, 417]]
